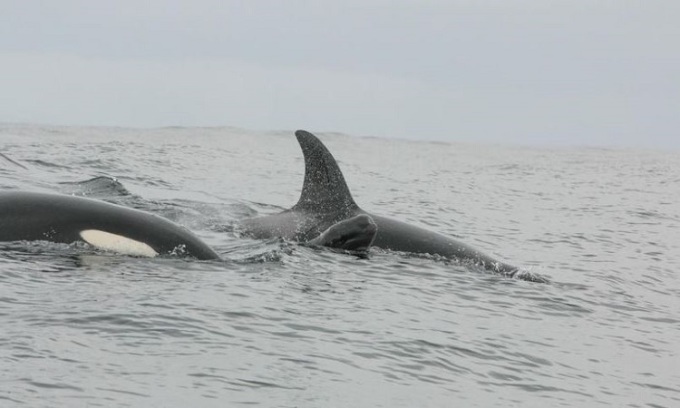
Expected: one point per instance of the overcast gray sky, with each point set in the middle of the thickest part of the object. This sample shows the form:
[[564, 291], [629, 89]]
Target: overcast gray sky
[[591, 72]]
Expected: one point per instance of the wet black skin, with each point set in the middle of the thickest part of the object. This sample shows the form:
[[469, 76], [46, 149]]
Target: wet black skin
[[28, 216]]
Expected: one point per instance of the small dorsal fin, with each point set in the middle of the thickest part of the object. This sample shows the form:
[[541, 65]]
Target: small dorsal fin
[[324, 189]]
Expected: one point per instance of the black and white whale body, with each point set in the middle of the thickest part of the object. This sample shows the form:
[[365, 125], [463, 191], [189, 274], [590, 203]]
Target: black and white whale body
[[326, 200], [28, 216]]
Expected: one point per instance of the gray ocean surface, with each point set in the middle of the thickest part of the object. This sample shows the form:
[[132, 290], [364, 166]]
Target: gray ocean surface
[[277, 324]]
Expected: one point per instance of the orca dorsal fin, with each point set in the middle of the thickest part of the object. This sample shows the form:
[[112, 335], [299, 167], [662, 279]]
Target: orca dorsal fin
[[324, 189]]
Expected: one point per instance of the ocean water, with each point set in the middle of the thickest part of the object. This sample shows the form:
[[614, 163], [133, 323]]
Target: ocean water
[[276, 324]]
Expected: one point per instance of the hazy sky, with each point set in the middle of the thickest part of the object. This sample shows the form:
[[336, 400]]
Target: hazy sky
[[592, 72]]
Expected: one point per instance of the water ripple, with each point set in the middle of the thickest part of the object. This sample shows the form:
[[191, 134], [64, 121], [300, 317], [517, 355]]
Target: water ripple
[[279, 324]]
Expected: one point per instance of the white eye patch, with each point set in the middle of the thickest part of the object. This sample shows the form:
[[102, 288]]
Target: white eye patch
[[117, 243]]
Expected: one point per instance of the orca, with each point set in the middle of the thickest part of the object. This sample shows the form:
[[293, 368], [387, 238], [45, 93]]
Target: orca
[[326, 200], [31, 216]]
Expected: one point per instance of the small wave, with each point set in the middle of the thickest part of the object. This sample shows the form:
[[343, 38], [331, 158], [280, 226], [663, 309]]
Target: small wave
[[256, 252], [650, 214], [42, 163], [529, 276], [5, 161], [39, 384], [522, 274], [102, 186]]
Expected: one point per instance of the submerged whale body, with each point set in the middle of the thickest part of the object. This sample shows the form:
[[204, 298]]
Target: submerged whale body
[[326, 200], [28, 216]]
